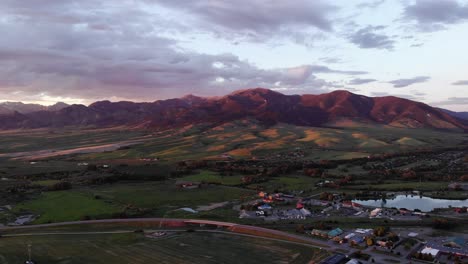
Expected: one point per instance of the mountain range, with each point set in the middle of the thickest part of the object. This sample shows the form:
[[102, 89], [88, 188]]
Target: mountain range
[[8, 108], [267, 106]]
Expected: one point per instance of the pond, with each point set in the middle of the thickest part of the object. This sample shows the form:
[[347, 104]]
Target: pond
[[411, 202]]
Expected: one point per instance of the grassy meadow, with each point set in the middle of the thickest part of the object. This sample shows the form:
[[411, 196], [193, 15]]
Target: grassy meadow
[[135, 248]]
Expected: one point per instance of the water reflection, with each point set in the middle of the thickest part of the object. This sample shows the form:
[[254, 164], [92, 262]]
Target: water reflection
[[425, 204]]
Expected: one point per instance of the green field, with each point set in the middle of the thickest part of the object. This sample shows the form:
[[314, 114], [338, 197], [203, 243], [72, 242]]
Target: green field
[[166, 194], [288, 183], [135, 248], [213, 177], [154, 199], [67, 206]]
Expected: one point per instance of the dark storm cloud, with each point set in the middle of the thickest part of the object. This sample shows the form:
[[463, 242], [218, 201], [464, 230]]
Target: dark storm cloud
[[400, 83], [369, 38], [95, 50], [257, 20], [434, 14], [461, 82], [359, 81]]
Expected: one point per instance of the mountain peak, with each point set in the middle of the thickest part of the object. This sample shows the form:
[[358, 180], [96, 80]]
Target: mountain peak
[[258, 90]]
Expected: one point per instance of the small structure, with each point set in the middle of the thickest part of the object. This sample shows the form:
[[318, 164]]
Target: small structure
[[349, 236], [375, 212], [357, 239], [264, 207], [187, 185], [351, 204], [384, 243], [335, 232], [460, 210], [363, 231], [431, 251], [320, 233], [305, 212], [299, 205]]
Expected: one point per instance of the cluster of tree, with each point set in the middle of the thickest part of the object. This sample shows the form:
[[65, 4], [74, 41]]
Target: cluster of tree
[[325, 196], [381, 231], [421, 256], [60, 186], [440, 223]]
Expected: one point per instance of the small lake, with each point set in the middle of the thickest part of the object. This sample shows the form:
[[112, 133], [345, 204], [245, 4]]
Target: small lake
[[425, 204]]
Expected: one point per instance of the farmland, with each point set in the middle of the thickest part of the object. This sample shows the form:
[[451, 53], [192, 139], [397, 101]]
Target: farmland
[[239, 139], [181, 247]]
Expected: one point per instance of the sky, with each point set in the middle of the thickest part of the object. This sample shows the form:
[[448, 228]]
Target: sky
[[81, 51]]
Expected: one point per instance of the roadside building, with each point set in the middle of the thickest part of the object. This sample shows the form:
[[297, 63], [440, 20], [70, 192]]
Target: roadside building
[[320, 233], [432, 251], [335, 232], [305, 212], [264, 207], [376, 212]]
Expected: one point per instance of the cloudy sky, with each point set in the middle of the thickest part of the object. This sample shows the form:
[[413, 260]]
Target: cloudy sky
[[80, 51]]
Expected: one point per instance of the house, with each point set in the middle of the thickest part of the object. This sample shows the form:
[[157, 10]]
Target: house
[[299, 205], [320, 233], [460, 210], [431, 251], [350, 204], [268, 199], [349, 236], [375, 212], [404, 211], [357, 239], [383, 243], [294, 214], [187, 184], [338, 239], [264, 207], [335, 232], [305, 212], [363, 231]]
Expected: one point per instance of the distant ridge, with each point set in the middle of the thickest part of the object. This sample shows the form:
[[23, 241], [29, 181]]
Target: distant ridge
[[265, 105], [11, 107]]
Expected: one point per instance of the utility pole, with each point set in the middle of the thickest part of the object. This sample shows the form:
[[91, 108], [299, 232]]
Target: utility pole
[[29, 252]]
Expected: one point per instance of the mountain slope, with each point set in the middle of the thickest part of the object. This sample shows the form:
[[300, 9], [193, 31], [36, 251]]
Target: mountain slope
[[459, 115], [10, 107], [265, 105]]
